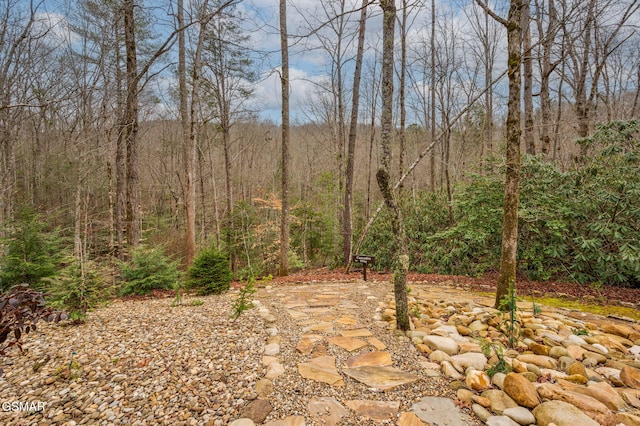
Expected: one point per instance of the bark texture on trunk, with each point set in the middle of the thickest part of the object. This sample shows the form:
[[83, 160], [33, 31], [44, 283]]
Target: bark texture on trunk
[[284, 80], [401, 261], [347, 220], [507, 276]]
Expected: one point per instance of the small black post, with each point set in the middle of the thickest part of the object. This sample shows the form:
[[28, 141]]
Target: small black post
[[364, 260]]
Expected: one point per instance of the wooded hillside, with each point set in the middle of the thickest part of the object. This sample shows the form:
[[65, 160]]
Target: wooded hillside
[[118, 119]]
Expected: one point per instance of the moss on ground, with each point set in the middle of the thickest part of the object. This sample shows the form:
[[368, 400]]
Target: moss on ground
[[593, 307]]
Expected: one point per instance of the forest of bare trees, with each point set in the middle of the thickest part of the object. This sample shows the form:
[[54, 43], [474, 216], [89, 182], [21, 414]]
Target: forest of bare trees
[[127, 123]]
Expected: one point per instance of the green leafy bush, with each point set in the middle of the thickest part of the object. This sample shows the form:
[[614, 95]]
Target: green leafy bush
[[32, 252], [580, 224], [210, 273], [148, 270], [79, 288]]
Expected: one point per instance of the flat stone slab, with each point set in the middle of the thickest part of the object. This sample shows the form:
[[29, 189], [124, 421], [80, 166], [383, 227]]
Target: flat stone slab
[[370, 359], [347, 320], [348, 343], [435, 410], [321, 369], [363, 332], [297, 315], [376, 343], [288, 421], [307, 342], [410, 419], [375, 410], [326, 411], [322, 327], [383, 378]]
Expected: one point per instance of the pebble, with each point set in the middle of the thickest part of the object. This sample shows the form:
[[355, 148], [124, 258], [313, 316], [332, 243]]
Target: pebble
[[215, 368]]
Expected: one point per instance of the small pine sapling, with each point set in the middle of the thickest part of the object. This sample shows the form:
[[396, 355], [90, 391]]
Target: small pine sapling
[[242, 303]]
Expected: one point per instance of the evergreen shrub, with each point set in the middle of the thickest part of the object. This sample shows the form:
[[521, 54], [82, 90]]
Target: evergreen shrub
[[79, 288], [32, 252], [210, 272], [148, 270]]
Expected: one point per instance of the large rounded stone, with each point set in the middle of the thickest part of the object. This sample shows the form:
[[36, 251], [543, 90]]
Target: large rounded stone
[[521, 390], [444, 344], [500, 421], [470, 359], [257, 410], [520, 415], [630, 377], [558, 351], [242, 422], [561, 413], [478, 380], [499, 400], [576, 368], [539, 360]]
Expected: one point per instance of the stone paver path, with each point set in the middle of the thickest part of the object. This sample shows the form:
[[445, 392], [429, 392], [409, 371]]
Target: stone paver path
[[336, 364]]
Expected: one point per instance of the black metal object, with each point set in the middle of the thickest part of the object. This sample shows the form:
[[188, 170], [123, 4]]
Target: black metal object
[[364, 260]]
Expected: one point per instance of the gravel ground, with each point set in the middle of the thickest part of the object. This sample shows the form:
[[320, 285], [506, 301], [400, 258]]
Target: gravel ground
[[293, 392], [145, 362]]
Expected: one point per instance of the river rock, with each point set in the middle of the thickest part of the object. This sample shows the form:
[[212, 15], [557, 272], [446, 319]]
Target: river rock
[[257, 410], [558, 351], [501, 421], [628, 419], [499, 400], [520, 415], [561, 413], [470, 359], [444, 344], [521, 390], [590, 406], [482, 413], [602, 391], [478, 380], [630, 377], [539, 360], [576, 368]]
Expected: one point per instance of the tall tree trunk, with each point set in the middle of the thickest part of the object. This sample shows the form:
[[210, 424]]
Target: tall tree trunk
[[401, 91], [528, 135], [546, 68], [432, 156], [508, 258], [130, 123], [284, 80], [347, 221], [189, 202], [488, 99], [401, 256], [226, 143]]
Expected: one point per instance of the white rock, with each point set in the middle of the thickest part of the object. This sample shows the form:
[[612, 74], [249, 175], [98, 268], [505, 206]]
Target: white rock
[[272, 349], [501, 421], [445, 344], [520, 415]]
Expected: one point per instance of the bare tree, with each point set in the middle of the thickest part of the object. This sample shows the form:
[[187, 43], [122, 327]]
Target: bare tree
[[16, 36], [347, 220], [401, 257], [527, 65], [547, 65], [227, 73], [589, 43], [284, 80], [508, 258]]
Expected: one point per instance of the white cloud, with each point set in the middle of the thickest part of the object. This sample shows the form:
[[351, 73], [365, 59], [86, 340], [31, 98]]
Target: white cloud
[[54, 27], [267, 95]]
